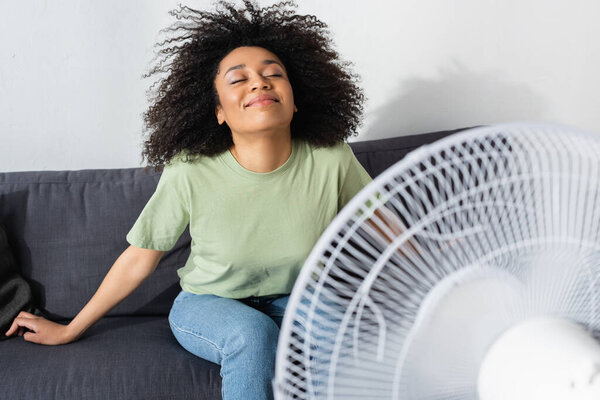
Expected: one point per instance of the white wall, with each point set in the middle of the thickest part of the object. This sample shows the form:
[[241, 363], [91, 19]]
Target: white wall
[[72, 96]]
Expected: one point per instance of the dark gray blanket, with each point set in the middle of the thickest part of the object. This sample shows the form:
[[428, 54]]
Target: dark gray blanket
[[15, 293]]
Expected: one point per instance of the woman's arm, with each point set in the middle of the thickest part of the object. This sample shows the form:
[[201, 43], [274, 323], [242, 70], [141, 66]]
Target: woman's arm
[[384, 226], [132, 267]]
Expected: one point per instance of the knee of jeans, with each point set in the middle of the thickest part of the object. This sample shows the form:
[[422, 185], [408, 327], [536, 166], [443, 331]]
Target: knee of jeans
[[170, 317], [257, 335], [175, 319]]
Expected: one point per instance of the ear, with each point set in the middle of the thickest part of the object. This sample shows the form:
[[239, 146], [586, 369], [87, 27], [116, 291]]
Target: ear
[[219, 114], [295, 109]]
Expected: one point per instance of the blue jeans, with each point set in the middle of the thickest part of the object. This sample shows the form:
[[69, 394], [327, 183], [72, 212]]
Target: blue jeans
[[238, 334]]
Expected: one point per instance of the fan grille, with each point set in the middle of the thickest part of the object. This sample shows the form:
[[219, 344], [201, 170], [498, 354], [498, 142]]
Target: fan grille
[[518, 200]]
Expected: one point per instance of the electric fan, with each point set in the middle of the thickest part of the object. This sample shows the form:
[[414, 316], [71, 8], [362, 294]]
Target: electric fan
[[468, 270]]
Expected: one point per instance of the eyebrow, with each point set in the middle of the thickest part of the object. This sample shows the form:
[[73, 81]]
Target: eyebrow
[[265, 62]]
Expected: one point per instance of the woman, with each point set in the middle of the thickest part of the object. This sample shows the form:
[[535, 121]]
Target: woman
[[249, 125]]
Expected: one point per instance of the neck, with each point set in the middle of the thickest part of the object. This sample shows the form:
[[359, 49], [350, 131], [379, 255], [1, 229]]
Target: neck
[[262, 154]]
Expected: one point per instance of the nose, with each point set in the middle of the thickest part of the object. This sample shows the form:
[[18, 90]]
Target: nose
[[259, 81]]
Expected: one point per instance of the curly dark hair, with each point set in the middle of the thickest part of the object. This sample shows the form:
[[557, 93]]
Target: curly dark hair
[[182, 111]]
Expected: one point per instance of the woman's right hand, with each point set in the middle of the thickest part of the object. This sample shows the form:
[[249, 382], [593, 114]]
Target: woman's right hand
[[43, 331]]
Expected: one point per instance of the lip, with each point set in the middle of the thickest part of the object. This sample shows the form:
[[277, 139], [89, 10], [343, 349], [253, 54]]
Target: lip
[[263, 99]]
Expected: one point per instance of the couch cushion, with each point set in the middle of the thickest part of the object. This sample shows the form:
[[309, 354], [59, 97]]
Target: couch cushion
[[378, 155], [67, 228], [117, 358]]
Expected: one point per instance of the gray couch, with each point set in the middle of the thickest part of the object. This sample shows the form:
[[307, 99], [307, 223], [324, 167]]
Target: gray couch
[[66, 229]]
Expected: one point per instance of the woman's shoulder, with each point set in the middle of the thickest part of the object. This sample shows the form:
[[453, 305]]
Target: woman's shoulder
[[179, 166], [336, 147], [184, 157], [185, 160], [339, 150]]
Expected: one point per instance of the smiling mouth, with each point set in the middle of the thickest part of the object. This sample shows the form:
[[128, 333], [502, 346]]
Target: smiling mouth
[[263, 103]]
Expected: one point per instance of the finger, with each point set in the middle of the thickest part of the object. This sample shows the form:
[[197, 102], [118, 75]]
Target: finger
[[26, 322], [27, 314], [14, 327], [11, 329], [31, 337]]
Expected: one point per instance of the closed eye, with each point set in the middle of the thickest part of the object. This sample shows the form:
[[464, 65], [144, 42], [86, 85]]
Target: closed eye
[[239, 80]]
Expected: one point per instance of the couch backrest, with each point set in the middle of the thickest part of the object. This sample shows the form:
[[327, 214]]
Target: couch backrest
[[67, 228]]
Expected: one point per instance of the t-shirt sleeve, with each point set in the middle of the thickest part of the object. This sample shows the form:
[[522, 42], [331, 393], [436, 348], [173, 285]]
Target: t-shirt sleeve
[[355, 180], [165, 215]]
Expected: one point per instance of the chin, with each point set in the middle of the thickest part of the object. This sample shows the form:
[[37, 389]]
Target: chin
[[268, 124]]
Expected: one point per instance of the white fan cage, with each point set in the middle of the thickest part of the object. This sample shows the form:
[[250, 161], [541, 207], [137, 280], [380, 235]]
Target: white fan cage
[[519, 202]]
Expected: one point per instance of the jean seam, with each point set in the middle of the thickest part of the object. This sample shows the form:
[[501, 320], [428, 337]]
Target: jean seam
[[200, 337]]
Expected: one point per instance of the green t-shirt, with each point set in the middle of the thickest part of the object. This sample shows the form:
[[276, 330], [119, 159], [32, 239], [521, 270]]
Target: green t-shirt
[[251, 232]]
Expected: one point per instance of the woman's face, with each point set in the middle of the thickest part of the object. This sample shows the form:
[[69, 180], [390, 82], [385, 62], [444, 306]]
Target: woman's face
[[245, 74]]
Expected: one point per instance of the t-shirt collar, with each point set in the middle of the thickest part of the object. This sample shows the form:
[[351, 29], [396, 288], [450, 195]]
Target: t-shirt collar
[[232, 163]]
